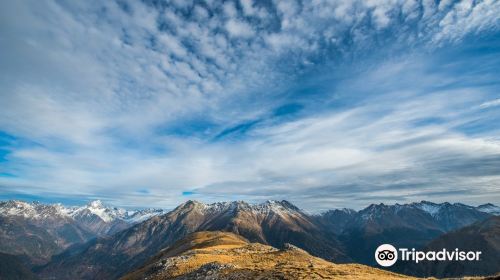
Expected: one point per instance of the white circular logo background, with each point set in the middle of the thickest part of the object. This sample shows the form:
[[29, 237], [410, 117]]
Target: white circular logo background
[[386, 255]]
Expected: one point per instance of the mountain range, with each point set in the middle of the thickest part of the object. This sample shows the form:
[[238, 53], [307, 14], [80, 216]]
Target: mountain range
[[408, 225], [481, 236], [35, 232], [113, 242], [274, 223]]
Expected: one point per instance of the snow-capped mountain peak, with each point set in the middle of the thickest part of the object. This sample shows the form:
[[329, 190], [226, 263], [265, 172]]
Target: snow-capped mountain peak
[[489, 208], [218, 207], [138, 216], [429, 207], [95, 216], [434, 208], [276, 206], [18, 208], [96, 204], [33, 210], [110, 214], [98, 209]]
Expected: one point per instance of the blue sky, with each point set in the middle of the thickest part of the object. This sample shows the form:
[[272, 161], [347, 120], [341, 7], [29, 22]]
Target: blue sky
[[324, 103]]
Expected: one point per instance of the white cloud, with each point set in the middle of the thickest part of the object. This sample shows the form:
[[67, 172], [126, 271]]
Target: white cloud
[[230, 10], [238, 28], [102, 92], [172, 45], [491, 103], [248, 8], [466, 17]]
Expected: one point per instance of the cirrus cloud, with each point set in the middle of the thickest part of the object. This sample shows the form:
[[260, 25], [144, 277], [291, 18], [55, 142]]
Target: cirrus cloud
[[325, 103]]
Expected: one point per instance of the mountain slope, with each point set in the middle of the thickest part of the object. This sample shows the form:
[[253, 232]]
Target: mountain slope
[[403, 225], [336, 220], [379, 224], [489, 208], [483, 236], [222, 255], [103, 220], [274, 223], [11, 268], [453, 216], [441, 216], [37, 231], [99, 219]]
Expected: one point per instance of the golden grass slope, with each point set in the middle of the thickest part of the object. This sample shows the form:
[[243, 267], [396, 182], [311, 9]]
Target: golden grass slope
[[223, 255]]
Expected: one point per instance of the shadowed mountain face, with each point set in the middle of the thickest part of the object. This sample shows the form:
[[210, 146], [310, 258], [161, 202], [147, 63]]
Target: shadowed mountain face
[[12, 268], [482, 236], [223, 255], [36, 232], [104, 220], [274, 223], [99, 219], [409, 225]]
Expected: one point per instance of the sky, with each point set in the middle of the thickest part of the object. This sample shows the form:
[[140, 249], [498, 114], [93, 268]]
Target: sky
[[327, 104]]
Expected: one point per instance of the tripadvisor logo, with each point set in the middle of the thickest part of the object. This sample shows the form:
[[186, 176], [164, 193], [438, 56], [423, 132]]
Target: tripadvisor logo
[[387, 255]]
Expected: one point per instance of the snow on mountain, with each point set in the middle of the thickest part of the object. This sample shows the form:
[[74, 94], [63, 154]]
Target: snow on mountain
[[489, 208], [18, 208], [33, 211], [96, 207], [105, 220], [277, 207], [273, 222], [270, 206], [38, 231], [429, 207], [95, 212], [138, 216]]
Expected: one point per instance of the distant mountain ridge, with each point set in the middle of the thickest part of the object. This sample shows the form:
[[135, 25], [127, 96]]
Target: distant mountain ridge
[[410, 225], [489, 208], [104, 220], [94, 212], [440, 216], [483, 236], [36, 231]]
